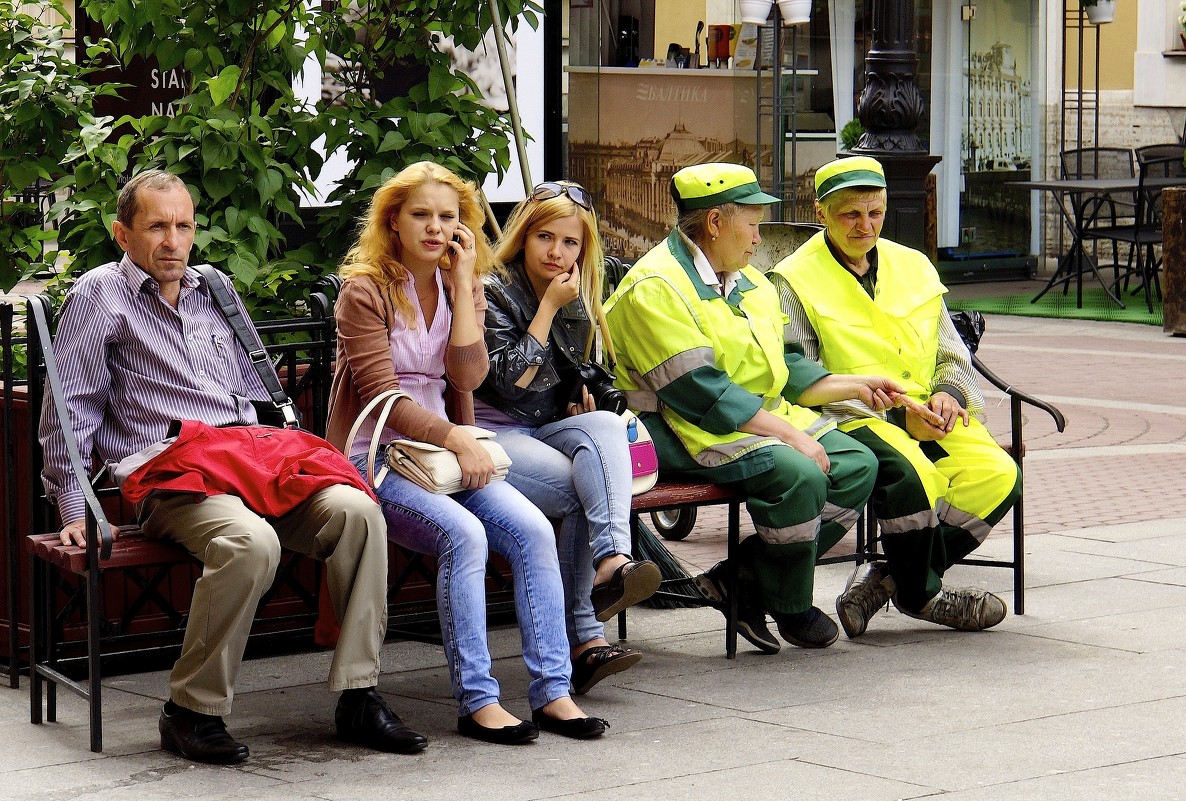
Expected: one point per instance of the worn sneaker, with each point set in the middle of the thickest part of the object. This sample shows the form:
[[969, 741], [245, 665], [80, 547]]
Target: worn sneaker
[[869, 588], [751, 617], [963, 609], [810, 629]]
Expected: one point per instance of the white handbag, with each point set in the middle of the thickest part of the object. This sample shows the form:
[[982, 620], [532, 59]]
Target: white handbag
[[429, 466], [644, 461]]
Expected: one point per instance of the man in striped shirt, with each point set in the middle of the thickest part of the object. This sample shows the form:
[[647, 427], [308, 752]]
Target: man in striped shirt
[[141, 342]]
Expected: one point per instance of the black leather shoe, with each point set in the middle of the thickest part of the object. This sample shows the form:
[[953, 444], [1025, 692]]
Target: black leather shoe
[[519, 734], [632, 583], [365, 720], [751, 616], [577, 728], [594, 664], [202, 738]]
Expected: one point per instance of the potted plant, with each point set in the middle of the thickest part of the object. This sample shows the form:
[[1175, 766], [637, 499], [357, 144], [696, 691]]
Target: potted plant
[[1099, 11], [794, 12], [755, 12]]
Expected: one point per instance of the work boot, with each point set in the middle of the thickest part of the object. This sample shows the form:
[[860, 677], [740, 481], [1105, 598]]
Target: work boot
[[963, 609], [868, 589], [751, 616]]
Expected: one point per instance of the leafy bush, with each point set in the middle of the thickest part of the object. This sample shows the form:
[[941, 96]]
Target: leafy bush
[[850, 134], [245, 143], [46, 113]]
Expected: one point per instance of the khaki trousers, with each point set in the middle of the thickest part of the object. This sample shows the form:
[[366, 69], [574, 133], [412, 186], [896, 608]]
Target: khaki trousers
[[240, 551]]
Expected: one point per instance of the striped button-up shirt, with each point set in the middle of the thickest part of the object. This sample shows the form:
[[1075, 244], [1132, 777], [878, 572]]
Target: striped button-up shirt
[[130, 363]]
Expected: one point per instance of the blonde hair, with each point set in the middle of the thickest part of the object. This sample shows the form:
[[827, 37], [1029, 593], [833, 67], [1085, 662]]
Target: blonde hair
[[531, 214], [378, 251]]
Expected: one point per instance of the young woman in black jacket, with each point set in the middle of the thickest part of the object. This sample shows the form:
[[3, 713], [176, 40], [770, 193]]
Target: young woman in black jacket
[[568, 456]]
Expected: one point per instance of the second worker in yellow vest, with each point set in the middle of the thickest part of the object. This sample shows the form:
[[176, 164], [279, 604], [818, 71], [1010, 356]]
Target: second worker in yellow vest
[[861, 304]]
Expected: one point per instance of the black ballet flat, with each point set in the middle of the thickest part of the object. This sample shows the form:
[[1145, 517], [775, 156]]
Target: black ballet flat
[[519, 734], [577, 728]]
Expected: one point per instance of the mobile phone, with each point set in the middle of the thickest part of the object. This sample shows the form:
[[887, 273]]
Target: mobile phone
[[457, 238]]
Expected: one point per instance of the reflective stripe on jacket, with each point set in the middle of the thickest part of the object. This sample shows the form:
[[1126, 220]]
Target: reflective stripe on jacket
[[706, 364], [894, 334]]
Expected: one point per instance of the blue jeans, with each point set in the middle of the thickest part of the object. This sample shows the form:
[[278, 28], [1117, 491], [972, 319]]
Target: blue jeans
[[577, 470], [459, 530]]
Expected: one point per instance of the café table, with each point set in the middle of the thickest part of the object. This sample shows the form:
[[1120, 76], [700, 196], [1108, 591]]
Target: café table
[[1070, 195]]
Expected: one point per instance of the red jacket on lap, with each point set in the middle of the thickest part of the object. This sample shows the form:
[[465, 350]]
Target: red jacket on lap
[[273, 470]]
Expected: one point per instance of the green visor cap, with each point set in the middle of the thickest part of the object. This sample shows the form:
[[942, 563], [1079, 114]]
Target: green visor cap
[[856, 171], [703, 186]]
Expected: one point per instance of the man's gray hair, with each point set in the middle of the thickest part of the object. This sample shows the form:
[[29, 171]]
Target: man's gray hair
[[156, 180]]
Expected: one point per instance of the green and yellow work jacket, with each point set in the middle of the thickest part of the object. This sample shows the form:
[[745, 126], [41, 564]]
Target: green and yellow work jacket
[[894, 334], [697, 365]]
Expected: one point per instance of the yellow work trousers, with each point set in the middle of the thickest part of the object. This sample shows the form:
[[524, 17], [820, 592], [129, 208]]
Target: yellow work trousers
[[935, 501]]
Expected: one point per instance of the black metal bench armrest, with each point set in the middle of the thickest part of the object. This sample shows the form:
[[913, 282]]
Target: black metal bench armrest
[[98, 529], [1013, 392]]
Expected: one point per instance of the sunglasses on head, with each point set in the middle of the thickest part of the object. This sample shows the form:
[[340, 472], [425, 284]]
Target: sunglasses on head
[[577, 194]]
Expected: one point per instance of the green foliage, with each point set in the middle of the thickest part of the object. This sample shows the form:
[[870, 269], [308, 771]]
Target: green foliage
[[440, 119], [46, 112], [246, 144], [851, 133], [240, 138]]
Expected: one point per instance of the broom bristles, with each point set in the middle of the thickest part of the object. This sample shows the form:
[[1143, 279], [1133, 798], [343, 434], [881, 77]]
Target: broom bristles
[[652, 548]]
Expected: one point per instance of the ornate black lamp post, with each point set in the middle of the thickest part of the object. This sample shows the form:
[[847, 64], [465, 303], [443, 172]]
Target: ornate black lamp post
[[889, 110]]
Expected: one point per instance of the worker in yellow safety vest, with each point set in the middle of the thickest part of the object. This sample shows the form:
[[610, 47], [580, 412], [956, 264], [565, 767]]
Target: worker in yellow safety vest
[[861, 304], [699, 338]]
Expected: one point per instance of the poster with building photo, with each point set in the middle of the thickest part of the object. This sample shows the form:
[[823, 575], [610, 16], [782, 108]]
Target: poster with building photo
[[997, 119], [525, 57], [631, 129]]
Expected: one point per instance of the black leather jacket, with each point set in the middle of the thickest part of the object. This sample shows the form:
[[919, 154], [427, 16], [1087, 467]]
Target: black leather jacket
[[513, 351]]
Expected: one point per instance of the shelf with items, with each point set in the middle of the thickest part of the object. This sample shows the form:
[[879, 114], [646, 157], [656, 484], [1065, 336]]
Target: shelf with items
[[784, 79]]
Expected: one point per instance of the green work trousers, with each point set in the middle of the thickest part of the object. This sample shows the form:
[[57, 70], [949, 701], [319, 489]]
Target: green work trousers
[[794, 495]]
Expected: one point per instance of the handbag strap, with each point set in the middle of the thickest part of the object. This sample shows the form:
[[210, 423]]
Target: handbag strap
[[249, 341], [606, 343], [388, 398]]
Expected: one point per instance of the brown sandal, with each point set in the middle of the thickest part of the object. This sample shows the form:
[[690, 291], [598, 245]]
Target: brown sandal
[[630, 584], [594, 664]]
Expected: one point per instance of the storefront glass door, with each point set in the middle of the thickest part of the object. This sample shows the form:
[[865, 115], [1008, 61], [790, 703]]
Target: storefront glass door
[[997, 130]]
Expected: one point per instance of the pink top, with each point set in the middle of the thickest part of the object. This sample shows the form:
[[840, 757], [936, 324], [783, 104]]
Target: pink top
[[367, 363], [418, 356]]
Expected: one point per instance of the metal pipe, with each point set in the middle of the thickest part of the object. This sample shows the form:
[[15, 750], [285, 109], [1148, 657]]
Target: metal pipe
[[512, 100]]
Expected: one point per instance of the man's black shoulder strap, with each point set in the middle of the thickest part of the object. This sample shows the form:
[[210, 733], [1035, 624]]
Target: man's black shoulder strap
[[245, 333]]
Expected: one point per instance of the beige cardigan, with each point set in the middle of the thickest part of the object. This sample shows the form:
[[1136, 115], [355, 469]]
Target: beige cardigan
[[364, 311]]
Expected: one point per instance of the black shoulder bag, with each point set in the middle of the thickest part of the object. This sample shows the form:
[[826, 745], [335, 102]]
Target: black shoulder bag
[[280, 412]]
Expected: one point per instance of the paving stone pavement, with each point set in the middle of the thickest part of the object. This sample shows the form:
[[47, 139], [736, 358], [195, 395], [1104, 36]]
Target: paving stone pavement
[[1082, 697]]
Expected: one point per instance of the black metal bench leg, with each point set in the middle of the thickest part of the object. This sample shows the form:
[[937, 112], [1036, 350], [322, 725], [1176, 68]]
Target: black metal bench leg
[[731, 578], [634, 524], [1018, 558], [36, 635], [95, 696]]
